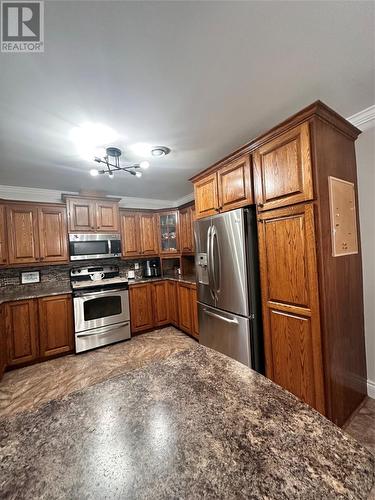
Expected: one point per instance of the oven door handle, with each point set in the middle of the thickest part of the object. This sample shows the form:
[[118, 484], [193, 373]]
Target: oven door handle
[[93, 294], [103, 330]]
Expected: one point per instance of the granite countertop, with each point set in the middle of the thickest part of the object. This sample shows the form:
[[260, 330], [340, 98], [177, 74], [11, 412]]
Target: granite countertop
[[195, 425], [22, 292], [183, 279]]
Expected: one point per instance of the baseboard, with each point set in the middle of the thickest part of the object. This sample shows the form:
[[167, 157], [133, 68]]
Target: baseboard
[[371, 389]]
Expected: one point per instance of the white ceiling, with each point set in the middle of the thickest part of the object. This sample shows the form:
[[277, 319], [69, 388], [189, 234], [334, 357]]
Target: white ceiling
[[200, 77]]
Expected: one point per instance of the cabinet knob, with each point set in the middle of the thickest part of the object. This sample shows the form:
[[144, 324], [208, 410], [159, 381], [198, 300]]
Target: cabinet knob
[[260, 205], [4, 260], [41, 258]]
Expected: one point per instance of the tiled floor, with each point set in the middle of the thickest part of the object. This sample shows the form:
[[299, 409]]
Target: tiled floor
[[28, 388]]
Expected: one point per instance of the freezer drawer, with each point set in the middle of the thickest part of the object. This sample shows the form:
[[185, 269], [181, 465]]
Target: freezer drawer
[[225, 332]]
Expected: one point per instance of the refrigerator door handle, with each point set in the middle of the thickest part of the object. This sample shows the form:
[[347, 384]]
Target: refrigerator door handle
[[216, 264], [223, 318], [209, 263]]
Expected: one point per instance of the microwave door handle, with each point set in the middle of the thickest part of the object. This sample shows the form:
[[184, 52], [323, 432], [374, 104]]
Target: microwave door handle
[[109, 247]]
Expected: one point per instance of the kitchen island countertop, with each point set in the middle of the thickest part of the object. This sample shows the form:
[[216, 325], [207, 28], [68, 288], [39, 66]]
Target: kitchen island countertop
[[194, 425]]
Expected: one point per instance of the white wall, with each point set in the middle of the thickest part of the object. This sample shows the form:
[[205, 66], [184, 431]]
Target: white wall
[[365, 148]]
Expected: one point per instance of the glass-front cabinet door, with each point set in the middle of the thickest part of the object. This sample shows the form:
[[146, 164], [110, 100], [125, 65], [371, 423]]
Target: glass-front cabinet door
[[168, 232]]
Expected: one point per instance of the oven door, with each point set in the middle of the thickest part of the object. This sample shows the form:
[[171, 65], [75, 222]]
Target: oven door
[[98, 309]]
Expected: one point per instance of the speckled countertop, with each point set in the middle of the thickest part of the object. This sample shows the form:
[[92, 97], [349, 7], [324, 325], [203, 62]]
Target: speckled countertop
[[195, 425], [22, 292], [183, 279]]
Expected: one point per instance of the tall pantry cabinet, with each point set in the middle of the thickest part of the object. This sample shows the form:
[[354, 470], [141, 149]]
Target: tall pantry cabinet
[[304, 180]]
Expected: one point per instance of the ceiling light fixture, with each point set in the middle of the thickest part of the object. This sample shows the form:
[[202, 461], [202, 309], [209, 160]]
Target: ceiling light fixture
[[160, 151], [112, 164]]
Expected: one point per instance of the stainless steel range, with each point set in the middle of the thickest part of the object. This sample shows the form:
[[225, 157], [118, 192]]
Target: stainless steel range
[[101, 306]]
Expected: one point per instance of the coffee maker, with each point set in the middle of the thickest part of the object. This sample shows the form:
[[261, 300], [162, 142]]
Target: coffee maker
[[151, 269]]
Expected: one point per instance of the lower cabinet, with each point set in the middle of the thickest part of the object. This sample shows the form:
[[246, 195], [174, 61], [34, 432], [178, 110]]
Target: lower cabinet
[[164, 302], [55, 325], [38, 328]]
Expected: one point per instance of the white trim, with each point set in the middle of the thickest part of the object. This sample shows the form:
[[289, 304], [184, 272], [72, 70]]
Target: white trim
[[371, 389], [365, 119], [183, 200]]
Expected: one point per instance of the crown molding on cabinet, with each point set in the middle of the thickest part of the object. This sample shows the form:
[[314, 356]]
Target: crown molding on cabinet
[[364, 119], [53, 196]]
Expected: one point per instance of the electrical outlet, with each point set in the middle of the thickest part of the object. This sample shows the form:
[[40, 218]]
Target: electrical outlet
[[136, 266]]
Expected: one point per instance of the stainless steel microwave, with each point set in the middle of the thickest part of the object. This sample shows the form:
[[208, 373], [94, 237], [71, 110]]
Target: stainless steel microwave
[[94, 246]]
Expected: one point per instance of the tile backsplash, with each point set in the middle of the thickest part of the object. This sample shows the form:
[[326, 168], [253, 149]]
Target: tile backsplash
[[60, 273]]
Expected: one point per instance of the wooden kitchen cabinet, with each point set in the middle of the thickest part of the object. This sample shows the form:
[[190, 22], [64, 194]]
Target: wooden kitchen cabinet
[[194, 306], [92, 215], [148, 238], [160, 303], [3, 342], [168, 232], [172, 302], [188, 312], [283, 171], [36, 233], [53, 242], [55, 325], [3, 237], [291, 321], [206, 196], [141, 309], [21, 330], [23, 233], [227, 188], [138, 234], [186, 217], [234, 184]]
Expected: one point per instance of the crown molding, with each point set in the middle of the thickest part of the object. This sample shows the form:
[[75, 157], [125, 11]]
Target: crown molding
[[18, 193], [183, 200], [364, 119]]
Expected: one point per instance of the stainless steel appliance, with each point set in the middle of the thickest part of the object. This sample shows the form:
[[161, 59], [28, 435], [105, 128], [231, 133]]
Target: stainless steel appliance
[[151, 269], [101, 307], [228, 286], [94, 246]]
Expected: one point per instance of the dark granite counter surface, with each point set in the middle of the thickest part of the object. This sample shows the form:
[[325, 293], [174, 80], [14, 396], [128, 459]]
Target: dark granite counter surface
[[22, 292], [183, 279], [194, 425]]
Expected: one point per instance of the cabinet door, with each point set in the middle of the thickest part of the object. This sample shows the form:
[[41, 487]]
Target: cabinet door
[[53, 241], [3, 238], [172, 302], [282, 170], [81, 215], [234, 184], [147, 224], [290, 302], [22, 225], [185, 309], [3, 342], [107, 216], [186, 230], [168, 232], [21, 331], [206, 196], [194, 308], [55, 325], [130, 237], [160, 303], [141, 316]]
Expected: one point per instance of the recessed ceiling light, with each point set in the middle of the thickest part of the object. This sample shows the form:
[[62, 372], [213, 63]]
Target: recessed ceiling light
[[160, 151]]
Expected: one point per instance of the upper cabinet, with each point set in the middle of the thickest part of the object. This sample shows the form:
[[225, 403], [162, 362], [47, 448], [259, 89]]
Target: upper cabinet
[[90, 215], [3, 238], [52, 234], [228, 187], [138, 234], [168, 232], [282, 170], [36, 233], [186, 233]]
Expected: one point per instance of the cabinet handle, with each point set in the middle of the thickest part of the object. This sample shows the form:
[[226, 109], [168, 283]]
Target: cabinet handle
[[260, 205]]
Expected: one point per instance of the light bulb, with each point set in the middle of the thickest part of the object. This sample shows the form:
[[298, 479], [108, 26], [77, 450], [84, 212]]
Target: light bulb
[[94, 172], [111, 175], [138, 174], [144, 164]]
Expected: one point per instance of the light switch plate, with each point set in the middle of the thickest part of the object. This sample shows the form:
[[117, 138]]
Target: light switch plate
[[136, 266], [131, 274]]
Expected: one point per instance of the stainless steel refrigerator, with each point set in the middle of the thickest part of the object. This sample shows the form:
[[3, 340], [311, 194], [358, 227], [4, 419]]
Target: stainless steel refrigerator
[[228, 286]]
